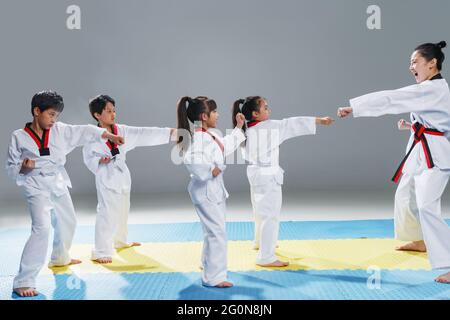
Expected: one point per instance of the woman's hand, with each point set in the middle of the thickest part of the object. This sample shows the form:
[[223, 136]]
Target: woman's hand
[[404, 125], [344, 112]]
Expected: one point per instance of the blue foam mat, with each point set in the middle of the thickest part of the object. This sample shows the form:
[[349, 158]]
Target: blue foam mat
[[256, 285], [314, 284], [289, 230]]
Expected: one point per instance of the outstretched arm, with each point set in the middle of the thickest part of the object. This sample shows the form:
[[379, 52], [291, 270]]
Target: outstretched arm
[[80, 135], [147, 136], [296, 126], [415, 98]]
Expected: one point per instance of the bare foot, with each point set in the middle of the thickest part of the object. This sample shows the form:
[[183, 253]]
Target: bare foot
[[135, 244], [75, 261], [26, 292], [72, 262], [224, 284], [129, 245], [444, 278], [418, 246], [275, 264], [256, 247], [104, 260]]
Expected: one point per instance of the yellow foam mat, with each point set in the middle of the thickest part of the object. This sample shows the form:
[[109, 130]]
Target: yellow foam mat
[[302, 254]]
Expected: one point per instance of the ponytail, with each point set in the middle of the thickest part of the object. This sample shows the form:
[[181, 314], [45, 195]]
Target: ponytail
[[235, 111], [183, 121], [189, 110]]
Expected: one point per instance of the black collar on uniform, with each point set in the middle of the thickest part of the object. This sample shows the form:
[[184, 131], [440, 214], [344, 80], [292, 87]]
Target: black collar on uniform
[[436, 77]]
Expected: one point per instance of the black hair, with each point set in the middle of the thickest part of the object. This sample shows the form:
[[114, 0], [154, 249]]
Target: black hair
[[98, 104], [190, 110], [249, 105], [47, 100], [432, 51]]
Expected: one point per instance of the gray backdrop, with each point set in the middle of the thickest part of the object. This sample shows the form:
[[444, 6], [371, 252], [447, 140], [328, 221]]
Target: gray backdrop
[[305, 57]]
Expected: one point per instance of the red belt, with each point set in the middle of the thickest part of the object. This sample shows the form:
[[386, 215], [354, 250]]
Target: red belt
[[419, 136]]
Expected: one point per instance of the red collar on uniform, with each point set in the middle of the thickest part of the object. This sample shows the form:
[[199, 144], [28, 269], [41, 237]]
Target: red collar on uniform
[[220, 144], [253, 123], [111, 145], [42, 143]]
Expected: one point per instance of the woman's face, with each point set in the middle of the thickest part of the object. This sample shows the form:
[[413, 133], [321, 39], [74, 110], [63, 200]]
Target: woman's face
[[422, 69]]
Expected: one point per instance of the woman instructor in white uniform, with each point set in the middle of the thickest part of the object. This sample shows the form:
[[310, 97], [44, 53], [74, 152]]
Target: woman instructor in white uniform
[[425, 170]]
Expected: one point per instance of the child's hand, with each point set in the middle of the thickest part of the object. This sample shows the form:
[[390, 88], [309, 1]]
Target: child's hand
[[27, 166], [326, 121], [104, 160], [240, 120], [344, 111], [404, 125], [216, 171], [116, 139], [173, 134]]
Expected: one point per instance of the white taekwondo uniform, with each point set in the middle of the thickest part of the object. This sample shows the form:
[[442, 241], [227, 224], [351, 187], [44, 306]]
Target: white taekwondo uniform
[[209, 195], [46, 191], [426, 168], [266, 176], [113, 183]]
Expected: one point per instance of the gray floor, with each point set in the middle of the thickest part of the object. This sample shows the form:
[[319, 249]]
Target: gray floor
[[308, 205]]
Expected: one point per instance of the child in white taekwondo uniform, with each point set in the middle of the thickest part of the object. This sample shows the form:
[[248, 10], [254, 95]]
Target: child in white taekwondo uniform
[[112, 177], [426, 166], [205, 161], [36, 159], [264, 136]]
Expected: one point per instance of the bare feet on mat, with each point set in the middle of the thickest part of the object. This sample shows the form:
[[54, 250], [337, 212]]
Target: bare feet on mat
[[104, 260], [72, 262], [444, 278], [224, 284], [26, 292], [75, 261], [275, 264], [256, 247], [135, 244], [418, 246]]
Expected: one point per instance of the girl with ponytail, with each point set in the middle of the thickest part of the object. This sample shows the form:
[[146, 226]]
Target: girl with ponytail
[[424, 171], [204, 153], [264, 136]]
